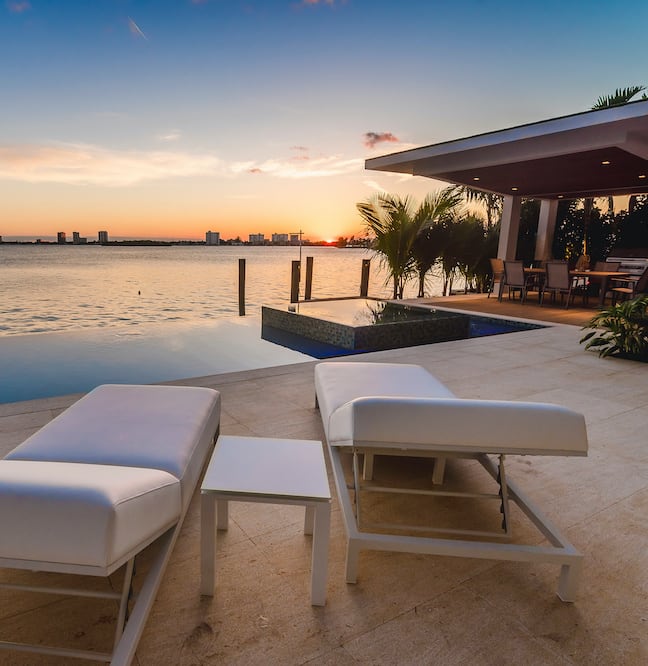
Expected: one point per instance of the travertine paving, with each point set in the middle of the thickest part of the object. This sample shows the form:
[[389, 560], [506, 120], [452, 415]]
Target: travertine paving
[[405, 609]]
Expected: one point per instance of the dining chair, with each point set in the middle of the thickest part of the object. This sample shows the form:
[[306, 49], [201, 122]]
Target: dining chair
[[594, 283], [514, 280], [629, 287], [497, 269], [557, 281]]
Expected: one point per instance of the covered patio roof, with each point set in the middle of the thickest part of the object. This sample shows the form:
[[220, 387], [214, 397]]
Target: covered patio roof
[[590, 154]]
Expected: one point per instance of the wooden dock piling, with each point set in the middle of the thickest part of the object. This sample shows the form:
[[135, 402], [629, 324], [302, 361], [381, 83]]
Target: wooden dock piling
[[364, 280], [241, 288], [294, 281], [309, 279]]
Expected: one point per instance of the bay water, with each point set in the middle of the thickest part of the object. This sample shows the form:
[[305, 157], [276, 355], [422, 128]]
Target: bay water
[[75, 316]]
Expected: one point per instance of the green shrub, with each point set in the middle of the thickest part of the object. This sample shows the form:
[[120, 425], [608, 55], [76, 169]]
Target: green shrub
[[620, 330]]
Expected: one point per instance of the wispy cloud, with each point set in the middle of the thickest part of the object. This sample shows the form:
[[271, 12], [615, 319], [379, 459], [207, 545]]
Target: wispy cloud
[[17, 7], [373, 185], [82, 164], [169, 137], [136, 31], [316, 167], [371, 139]]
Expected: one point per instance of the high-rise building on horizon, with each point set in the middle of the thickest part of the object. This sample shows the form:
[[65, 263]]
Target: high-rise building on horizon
[[294, 239], [256, 239], [212, 238], [103, 236], [280, 239], [77, 239], [60, 238]]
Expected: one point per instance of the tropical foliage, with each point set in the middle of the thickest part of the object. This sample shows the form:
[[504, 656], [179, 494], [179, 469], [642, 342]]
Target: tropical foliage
[[619, 97], [395, 223], [620, 330]]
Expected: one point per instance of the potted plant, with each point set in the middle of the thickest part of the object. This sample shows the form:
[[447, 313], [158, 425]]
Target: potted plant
[[620, 330]]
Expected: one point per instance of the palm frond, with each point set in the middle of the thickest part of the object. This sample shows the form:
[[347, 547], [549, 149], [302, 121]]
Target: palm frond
[[619, 97]]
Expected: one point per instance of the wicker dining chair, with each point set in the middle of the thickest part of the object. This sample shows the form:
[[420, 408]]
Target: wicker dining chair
[[497, 268]]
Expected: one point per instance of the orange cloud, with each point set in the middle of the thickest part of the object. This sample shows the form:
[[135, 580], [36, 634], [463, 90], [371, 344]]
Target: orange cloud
[[373, 138], [82, 164]]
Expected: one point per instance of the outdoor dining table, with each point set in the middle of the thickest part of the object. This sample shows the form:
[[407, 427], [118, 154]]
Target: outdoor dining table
[[603, 275]]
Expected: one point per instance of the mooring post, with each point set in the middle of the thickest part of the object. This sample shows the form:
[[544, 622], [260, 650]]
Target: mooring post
[[241, 287], [294, 282], [309, 279], [364, 280]]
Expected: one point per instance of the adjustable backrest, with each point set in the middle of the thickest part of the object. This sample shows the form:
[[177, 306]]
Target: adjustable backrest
[[557, 275]]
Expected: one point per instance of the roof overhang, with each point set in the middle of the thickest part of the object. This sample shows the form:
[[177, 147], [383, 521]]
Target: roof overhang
[[591, 154]]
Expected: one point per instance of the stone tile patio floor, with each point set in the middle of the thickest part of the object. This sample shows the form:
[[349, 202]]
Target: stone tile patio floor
[[405, 609]]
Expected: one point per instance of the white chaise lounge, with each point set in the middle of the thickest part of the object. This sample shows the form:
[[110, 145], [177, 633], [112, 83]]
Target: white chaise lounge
[[98, 484], [398, 409]]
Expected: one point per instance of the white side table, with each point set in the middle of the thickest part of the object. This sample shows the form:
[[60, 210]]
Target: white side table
[[272, 471]]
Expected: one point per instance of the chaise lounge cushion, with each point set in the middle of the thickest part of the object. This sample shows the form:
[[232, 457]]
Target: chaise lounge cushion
[[167, 428], [87, 515], [336, 383], [458, 425], [404, 407]]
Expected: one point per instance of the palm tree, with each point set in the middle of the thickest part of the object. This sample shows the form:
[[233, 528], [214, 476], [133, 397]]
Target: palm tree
[[492, 203], [619, 97], [396, 222]]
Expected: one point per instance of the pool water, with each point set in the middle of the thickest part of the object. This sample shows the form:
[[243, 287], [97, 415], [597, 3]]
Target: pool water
[[49, 364]]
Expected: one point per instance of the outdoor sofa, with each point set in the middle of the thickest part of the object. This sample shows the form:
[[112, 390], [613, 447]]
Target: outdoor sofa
[[90, 490], [370, 409]]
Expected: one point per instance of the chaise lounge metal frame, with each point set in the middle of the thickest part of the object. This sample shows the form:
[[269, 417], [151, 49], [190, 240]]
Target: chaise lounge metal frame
[[390, 409], [130, 623], [360, 537]]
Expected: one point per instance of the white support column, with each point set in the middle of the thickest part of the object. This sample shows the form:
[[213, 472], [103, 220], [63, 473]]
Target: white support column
[[509, 228], [546, 229]]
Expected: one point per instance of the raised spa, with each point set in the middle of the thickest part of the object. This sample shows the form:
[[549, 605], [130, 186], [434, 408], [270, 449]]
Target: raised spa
[[349, 326]]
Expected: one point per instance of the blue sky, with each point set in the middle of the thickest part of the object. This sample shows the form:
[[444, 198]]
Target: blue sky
[[161, 118]]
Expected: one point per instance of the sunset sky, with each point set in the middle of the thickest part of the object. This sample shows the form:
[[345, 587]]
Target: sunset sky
[[165, 118]]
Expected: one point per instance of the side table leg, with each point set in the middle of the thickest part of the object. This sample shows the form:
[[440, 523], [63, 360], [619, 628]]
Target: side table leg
[[222, 514], [319, 566], [207, 544], [309, 520]]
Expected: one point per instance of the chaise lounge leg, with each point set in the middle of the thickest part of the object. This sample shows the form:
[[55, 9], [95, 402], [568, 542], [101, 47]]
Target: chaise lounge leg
[[368, 466], [353, 553], [439, 471], [570, 575], [123, 604]]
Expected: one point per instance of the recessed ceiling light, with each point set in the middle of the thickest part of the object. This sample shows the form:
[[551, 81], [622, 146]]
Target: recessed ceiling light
[[606, 162], [643, 175], [561, 196], [476, 178], [514, 189]]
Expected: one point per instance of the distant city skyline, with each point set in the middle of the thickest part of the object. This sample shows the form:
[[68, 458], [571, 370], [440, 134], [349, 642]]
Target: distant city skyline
[[164, 120]]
